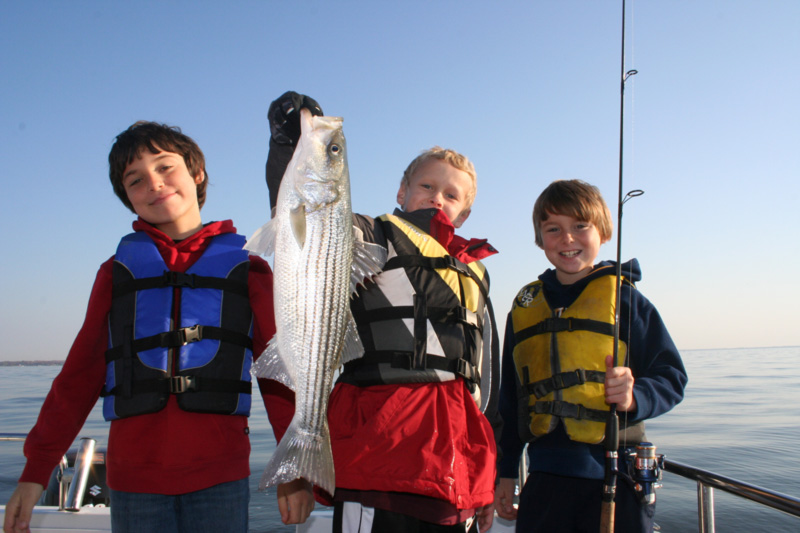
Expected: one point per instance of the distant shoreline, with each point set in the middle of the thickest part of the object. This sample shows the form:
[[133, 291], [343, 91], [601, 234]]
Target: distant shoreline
[[31, 363]]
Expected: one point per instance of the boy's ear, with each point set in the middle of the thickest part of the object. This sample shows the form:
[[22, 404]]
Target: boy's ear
[[401, 194], [460, 219], [200, 177]]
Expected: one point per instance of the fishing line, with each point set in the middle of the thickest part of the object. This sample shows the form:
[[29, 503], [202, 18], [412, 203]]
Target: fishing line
[[611, 441], [635, 192]]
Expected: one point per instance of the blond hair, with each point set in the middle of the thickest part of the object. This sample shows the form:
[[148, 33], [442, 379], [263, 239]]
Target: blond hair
[[576, 199], [454, 159]]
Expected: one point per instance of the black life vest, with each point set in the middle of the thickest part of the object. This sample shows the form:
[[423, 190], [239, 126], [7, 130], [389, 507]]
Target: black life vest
[[423, 319]]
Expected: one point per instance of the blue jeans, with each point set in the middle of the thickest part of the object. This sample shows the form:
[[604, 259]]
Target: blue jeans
[[219, 508]]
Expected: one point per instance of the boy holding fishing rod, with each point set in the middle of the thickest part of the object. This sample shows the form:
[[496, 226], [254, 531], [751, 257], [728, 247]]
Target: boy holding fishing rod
[[174, 320], [413, 420], [559, 378]]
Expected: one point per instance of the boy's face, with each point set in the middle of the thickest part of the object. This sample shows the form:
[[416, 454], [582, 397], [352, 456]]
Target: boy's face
[[571, 246], [437, 184], [163, 192]]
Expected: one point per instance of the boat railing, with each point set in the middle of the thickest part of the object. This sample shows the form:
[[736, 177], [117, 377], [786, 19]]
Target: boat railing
[[71, 480], [708, 481]]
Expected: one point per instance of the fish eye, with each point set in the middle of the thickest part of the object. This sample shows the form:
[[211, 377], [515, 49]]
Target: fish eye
[[335, 148]]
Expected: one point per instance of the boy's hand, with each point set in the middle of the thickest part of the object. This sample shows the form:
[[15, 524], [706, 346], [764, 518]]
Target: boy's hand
[[619, 386], [284, 116], [20, 507], [295, 501], [485, 516], [504, 499]]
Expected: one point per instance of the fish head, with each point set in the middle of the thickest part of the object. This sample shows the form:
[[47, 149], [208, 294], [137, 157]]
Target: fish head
[[322, 174]]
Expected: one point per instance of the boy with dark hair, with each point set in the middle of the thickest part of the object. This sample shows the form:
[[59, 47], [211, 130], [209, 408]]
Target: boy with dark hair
[[559, 376], [174, 320], [412, 421]]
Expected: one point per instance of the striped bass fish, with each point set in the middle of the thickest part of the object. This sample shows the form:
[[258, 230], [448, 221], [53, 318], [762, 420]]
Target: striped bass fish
[[311, 236]]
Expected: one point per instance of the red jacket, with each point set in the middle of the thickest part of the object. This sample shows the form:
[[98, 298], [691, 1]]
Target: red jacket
[[421, 438], [171, 451]]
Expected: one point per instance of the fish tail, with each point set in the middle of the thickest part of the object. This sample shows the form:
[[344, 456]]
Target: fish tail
[[303, 454]]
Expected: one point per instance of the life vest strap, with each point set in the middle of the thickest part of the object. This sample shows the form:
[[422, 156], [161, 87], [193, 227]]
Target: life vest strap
[[434, 314], [404, 360], [433, 263], [564, 380], [181, 280], [180, 337], [559, 324], [568, 410], [183, 384], [437, 263]]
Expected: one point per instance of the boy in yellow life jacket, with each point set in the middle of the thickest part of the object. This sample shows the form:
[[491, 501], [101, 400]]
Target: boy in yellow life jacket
[[559, 378]]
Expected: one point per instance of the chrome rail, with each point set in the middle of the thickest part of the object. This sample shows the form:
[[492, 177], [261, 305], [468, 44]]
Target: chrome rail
[[13, 437], [71, 480], [83, 463], [708, 481]]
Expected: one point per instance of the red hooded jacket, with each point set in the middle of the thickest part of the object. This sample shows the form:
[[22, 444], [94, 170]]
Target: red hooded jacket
[[171, 451]]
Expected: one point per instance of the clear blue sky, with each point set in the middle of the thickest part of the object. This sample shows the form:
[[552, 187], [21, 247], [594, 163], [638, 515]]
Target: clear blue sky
[[529, 90]]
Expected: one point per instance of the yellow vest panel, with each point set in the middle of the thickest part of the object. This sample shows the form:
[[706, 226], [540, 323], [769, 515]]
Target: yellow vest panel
[[564, 352]]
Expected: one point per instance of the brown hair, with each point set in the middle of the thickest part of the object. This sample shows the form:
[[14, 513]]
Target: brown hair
[[451, 157], [576, 199], [156, 138]]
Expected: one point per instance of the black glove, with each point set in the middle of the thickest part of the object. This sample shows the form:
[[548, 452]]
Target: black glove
[[284, 127], [284, 116]]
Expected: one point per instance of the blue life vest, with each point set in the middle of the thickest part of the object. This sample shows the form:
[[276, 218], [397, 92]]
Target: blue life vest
[[206, 359]]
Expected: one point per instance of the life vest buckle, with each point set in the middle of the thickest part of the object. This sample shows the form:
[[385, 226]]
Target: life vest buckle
[[556, 324], [454, 264], [192, 334], [569, 379], [468, 371], [181, 384], [464, 369]]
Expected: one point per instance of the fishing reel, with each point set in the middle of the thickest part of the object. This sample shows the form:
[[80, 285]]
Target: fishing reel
[[644, 468]]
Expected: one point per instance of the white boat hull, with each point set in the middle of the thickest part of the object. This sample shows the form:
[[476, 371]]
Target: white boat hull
[[321, 521], [50, 520]]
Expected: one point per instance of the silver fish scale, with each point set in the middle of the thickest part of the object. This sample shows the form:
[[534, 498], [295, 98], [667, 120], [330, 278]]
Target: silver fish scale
[[313, 246], [323, 324]]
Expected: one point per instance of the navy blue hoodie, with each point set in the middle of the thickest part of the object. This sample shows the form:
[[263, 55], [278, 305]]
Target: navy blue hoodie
[[658, 371]]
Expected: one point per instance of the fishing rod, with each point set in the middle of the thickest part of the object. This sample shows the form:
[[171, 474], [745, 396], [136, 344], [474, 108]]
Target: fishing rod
[[611, 440]]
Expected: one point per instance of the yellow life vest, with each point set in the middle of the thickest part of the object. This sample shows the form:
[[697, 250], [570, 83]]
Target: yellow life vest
[[560, 356]]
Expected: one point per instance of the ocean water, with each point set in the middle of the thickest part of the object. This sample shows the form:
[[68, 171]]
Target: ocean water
[[740, 419]]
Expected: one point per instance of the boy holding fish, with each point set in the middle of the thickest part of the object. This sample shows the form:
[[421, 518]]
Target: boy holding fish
[[413, 420], [559, 377], [173, 322]]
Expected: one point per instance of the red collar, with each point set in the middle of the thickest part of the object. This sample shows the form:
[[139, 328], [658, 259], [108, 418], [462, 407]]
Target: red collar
[[462, 249], [182, 254]]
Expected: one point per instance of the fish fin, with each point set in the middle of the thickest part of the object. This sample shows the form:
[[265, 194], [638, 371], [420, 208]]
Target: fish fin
[[271, 366], [352, 348], [301, 453], [368, 260], [262, 242], [297, 219]]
